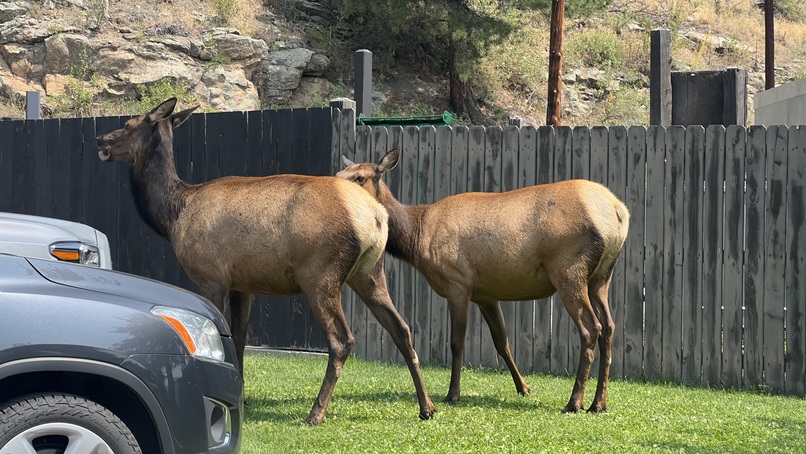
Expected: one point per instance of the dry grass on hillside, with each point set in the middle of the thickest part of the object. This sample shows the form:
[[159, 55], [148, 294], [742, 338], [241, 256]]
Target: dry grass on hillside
[[619, 44]]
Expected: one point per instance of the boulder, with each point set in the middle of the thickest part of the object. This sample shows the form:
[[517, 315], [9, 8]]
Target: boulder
[[68, 54], [227, 88], [12, 10]]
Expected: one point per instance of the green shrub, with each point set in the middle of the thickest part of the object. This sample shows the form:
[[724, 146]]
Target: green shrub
[[598, 49]]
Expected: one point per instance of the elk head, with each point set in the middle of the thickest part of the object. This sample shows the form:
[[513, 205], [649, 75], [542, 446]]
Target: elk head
[[132, 140], [368, 176]]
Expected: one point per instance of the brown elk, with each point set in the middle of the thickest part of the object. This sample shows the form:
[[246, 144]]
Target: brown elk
[[519, 245], [278, 235]]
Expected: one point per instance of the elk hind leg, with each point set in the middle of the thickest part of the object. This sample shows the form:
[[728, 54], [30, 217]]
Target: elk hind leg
[[598, 297], [240, 311], [458, 310], [373, 292], [325, 302], [575, 299], [495, 321]]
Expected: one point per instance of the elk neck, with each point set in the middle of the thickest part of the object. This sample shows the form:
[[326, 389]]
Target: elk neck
[[158, 192], [405, 226]]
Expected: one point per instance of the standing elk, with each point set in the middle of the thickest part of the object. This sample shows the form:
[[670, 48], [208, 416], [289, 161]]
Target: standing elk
[[523, 244], [277, 235]]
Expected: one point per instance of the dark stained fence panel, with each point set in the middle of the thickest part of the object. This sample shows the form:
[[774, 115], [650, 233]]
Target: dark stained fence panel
[[440, 318], [655, 201], [562, 327], [394, 267], [633, 313], [733, 284], [475, 183], [795, 369], [617, 182], [673, 260], [409, 159], [544, 308], [522, 337], [425, 196], [692, 250], [755, 171], [712, 251], [775, 257]]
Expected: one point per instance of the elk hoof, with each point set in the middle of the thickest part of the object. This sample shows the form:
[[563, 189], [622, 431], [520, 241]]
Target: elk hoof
[[313, 421], [525, 391], [425, 415], [450, 399], [595, 408], [571, 408]]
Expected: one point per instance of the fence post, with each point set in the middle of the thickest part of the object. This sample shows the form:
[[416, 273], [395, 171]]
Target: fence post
[[516, 121], [32, 104], [363, 82], [660, 78]]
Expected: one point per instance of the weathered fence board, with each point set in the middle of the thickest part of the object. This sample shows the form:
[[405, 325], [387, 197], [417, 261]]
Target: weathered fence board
[[774, 259], [633, 313], [563, 361], [654, 201], [692, 250], [714, 177], [617, 182], [544, 308], [673, 257], [522, 335], [733, 285], [795, 367], [709, 288], [755, 171]]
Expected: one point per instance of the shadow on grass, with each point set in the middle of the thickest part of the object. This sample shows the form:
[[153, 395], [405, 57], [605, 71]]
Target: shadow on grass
[[278, 410]]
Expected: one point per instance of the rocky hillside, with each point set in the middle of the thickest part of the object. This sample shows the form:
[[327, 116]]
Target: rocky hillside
[[92, 57]]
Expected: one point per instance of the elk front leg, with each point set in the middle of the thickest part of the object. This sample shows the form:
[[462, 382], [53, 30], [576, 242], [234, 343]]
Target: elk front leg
[[491, 311]]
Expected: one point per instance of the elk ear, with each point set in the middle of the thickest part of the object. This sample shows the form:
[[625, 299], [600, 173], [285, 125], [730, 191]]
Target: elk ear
[[162, 111], [346, 162], [389, 160], [180, 117]]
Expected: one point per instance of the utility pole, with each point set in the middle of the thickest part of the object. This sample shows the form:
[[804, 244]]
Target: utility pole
[[554, 108]]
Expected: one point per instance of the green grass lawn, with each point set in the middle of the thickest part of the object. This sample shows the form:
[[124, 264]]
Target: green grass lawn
[[374, 410]]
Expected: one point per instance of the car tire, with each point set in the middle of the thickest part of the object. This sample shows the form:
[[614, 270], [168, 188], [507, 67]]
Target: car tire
[[54, 423]]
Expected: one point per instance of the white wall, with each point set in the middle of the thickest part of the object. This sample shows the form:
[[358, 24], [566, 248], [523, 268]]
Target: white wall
[[782, 105]]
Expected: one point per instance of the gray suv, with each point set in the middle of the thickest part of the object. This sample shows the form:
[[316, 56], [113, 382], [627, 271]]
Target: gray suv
[[98, 361]]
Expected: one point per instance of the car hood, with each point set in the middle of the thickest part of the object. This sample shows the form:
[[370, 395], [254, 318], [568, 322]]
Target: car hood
[[128, 285], [23, 228]]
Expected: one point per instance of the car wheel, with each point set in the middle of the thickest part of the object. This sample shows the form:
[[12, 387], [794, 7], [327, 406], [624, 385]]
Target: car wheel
[[53, 423]]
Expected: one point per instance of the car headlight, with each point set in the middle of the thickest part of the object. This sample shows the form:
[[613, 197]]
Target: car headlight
[[199, 334], [76, 252]]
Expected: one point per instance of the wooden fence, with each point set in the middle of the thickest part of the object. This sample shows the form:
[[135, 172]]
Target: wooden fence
[[711, 287]]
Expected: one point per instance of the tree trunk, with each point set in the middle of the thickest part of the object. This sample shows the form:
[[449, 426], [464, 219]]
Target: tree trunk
[[461, 95]]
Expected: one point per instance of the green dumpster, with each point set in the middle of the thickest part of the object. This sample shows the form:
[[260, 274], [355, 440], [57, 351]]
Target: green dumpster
[[417, 120]]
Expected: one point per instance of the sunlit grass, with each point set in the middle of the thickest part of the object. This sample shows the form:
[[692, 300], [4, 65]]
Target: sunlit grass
[[374, 409]]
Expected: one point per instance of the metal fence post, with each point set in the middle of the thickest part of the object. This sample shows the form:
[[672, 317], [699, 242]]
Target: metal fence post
[[363, 82], [32, 105]]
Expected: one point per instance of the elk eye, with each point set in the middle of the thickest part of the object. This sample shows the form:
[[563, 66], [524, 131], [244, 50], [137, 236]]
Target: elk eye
[[127, 126], [360, 180]]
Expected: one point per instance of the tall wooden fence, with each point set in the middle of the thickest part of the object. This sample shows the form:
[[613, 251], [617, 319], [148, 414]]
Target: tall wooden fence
[[711, 287]]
